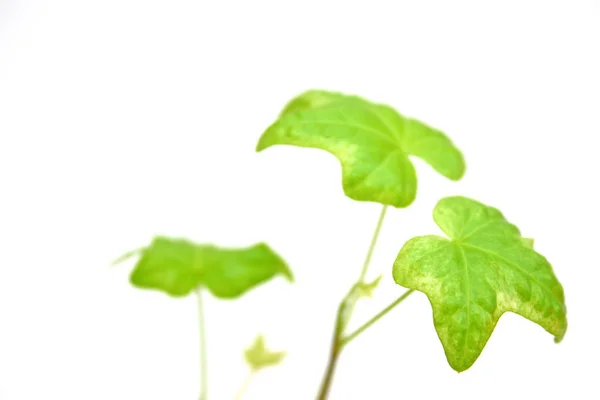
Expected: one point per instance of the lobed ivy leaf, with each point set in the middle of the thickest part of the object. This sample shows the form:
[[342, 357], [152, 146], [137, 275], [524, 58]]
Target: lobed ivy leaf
[[178, 266], [484, 270], [372, 141], [258, 356]]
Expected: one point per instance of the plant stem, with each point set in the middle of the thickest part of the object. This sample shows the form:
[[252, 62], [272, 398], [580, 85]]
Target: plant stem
[[334, 353], [363, 272], [203, 355], [370, 322], [344, 313], [244, 386]]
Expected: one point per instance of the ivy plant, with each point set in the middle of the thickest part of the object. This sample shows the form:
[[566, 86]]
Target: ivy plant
[[179, 267], [483, 268], [258, 357]]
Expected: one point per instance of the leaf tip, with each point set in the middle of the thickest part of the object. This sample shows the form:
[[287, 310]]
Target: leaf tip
[[127, 256], [460, 366], [282, 265], [460, 173], [287, 273], [260, 146], [559, 338], [268, 138]]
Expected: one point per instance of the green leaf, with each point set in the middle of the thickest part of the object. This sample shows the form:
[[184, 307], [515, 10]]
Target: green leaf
[[178, 266], [258, 356], [483, 271], [372, 141]]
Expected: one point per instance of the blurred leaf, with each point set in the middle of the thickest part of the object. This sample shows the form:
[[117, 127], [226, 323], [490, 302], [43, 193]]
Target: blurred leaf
[[372, 141], [178, 266], [483, 271], [258, 356]]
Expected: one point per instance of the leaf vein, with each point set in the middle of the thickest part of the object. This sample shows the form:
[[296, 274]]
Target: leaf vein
[[351, 125], [468, 294], [480, 227], [511, 264], [431, 252], [362, 180], [384, 121]]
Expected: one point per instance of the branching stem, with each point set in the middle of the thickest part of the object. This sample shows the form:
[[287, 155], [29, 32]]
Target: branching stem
[[350, 337], [344, 313]]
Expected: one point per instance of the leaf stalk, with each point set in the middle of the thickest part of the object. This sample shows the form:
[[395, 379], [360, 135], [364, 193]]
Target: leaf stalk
[[203, 354], [347, 339], [244, 386]]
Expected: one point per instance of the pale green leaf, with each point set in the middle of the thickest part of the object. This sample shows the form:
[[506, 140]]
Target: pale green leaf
[[359, 290], [258, 356], [372, 141], [178, 266], [366, 289], [484, 270]]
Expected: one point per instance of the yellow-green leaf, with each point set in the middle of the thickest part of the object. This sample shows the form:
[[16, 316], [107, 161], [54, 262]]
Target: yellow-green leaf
[[372, 141], [258, 356], [366, 289], [484, 270], [178, 266]]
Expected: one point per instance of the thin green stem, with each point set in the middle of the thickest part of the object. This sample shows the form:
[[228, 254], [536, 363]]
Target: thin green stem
[[370, 322], [344, 312], [203, 355], [244, 386], [365, 267]]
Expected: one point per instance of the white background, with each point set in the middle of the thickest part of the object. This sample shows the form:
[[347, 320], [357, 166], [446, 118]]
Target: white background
[[121, 119]]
